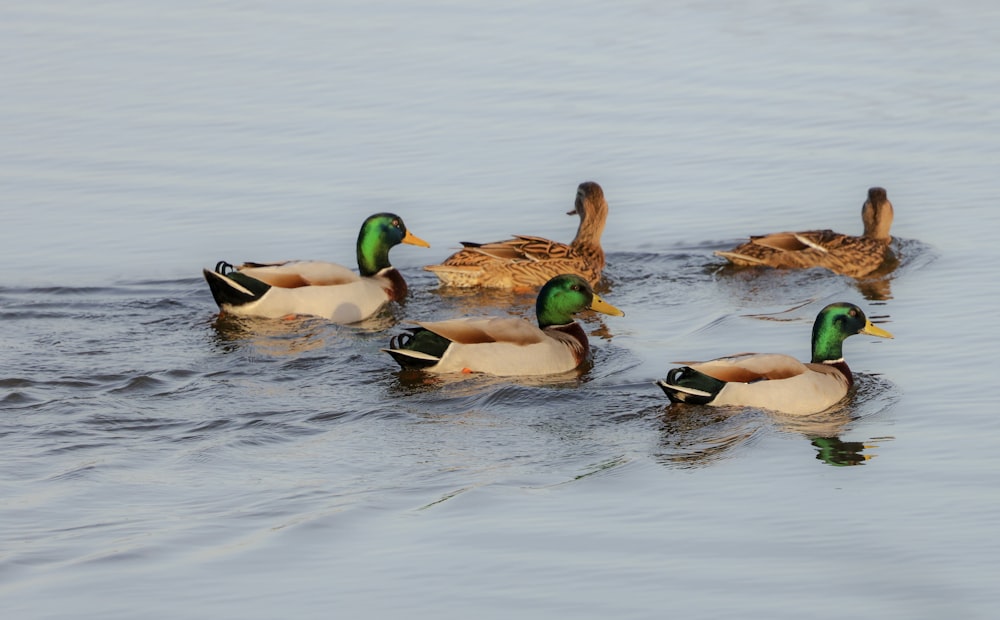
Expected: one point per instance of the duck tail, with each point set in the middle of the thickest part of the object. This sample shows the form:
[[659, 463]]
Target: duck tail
[[232, 288], [687, 385], [417, 348], [740, 259]]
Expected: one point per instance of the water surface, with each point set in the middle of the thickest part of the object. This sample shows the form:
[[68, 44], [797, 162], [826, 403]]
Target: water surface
[[165, 462]]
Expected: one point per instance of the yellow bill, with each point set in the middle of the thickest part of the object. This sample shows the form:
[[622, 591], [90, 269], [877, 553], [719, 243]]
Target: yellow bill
[[599, 305], [415, 240], [873, 330]]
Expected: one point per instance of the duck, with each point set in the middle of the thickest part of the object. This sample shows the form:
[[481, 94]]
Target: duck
[[775, 381], [844, 254], [316, 288], [507, 346], [525, 263]]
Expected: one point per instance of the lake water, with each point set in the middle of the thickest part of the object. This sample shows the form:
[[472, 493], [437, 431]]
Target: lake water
[[162, 462]]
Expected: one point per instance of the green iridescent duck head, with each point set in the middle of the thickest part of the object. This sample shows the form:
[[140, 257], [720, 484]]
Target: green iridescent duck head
[[380, 233], [834, 324], [565, 295]]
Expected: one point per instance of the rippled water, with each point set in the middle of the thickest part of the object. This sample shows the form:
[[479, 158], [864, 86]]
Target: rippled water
[[162, 461]]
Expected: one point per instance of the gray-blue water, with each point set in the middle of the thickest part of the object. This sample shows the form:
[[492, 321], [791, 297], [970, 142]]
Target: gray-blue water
[[159, 461]]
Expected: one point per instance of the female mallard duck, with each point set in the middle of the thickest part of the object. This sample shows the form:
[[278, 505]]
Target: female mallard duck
[[528, 262], [774, 381], [844, 254], [327, 290], [508, 346]]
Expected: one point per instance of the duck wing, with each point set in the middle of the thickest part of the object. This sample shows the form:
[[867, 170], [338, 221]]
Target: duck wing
[[295, 274], [750, 367], [520, 248], [478, 331]]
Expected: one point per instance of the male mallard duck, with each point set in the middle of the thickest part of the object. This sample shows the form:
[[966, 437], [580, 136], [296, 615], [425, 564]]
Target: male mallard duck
[[507, 346], [844, 254], [774, 381], [327, 290], [529, 262]]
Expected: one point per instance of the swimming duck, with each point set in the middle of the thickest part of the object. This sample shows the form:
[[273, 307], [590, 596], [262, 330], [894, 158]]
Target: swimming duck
[[774, 381], [844, 254], [507, 346], [526, 262], [327, 290]]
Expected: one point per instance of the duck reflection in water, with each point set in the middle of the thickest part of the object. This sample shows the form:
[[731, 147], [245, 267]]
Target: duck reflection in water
[[756, 285], [824, 430], [834, 451], [693, 436], [877, 286], [293, 334], [270, 337]]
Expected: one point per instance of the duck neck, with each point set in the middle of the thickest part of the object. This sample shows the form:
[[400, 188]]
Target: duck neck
[[552, 317], [827, 344], [827, 340], [554, 310], [588, 234], [373, 254], [575, 331], [397, 288], [877, 220]]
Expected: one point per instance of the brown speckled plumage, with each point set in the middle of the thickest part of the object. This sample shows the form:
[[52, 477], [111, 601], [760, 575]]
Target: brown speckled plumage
[[844, 254], [530, 262]]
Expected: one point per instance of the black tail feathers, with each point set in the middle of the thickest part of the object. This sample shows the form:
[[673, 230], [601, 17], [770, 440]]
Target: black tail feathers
[[232, 288], [427, 348], [687, 385]]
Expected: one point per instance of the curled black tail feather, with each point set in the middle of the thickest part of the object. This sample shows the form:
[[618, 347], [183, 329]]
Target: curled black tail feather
[[399, 341], [680, 382], [419, 340], [232, 288]]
